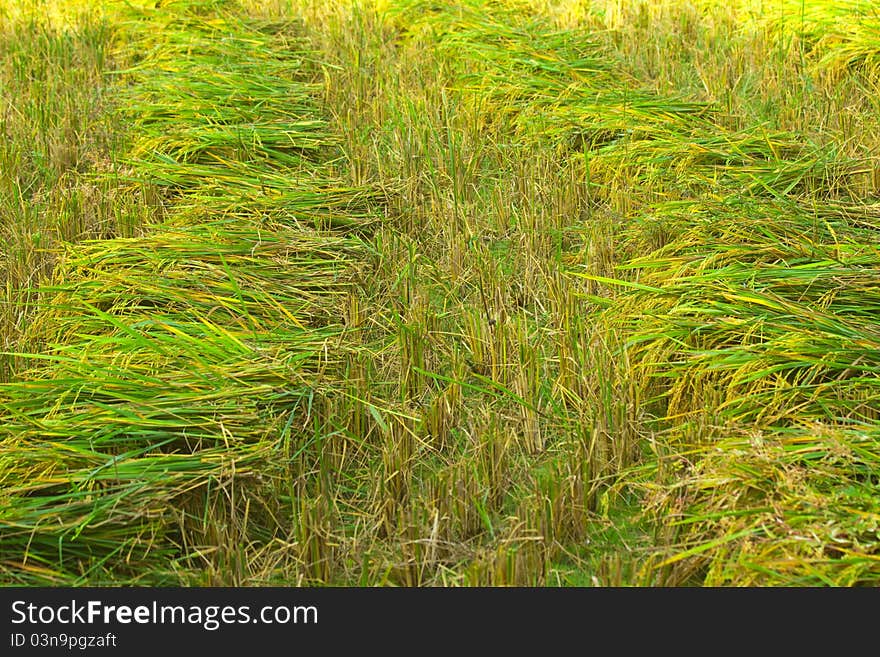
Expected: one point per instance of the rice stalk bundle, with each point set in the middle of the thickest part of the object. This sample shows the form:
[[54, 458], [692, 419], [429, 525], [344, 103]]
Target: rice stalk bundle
[[753, 330], [178, 368]]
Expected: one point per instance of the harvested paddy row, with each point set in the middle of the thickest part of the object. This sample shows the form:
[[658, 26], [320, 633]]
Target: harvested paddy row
[[755, 332], [475, 293], [148, 440]]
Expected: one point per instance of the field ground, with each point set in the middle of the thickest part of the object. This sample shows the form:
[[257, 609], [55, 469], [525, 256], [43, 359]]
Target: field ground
[[511, 292]]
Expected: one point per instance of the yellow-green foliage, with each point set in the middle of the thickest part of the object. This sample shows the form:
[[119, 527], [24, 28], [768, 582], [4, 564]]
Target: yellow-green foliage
[[402, 292]]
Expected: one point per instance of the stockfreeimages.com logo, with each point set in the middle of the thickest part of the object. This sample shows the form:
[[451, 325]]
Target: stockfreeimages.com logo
[[210, 617]]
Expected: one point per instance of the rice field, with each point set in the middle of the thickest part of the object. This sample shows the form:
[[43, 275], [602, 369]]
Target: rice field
[[408, 293]]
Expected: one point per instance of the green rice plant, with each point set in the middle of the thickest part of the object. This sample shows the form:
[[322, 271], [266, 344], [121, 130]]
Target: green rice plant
[[55, 131], [161, 403], [240, 134], [753, 320], [840, 35], [407, 293], [550, 83], [791, 508]]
